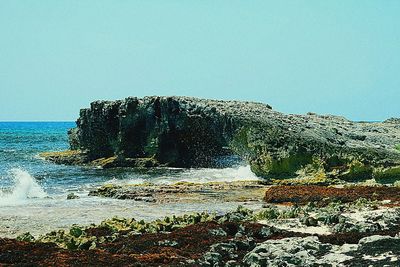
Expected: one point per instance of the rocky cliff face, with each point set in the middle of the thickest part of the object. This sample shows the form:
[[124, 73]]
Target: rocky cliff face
[[191, 132], [180, 132]]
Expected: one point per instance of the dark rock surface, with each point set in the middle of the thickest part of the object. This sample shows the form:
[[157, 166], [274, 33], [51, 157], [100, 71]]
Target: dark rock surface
[[180, 132], [191, 132]]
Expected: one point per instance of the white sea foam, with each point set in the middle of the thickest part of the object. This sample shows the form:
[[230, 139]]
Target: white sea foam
[[25, 187], [201, 175], [237, 173]]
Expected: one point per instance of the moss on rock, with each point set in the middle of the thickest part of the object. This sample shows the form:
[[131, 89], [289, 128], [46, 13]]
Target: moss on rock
[[387, 175], [27, 237], [106, 162], [191, 132], [69, 157], [266, 166], [356, 171]]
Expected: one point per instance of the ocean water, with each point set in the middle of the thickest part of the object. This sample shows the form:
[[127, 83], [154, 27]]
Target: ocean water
[[33, 191]]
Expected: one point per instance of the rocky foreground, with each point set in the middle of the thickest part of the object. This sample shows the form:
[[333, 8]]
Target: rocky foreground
[[297, 226], [329, 188], [191, 132]]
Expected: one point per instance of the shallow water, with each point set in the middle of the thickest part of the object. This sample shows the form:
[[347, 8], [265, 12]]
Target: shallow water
[[33, 192]]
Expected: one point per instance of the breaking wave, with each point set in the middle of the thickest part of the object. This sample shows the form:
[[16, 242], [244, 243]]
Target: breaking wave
[[25, 187]]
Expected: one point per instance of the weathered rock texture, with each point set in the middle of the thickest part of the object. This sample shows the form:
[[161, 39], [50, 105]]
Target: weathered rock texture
[[185, 192], [203, 239], [191, 132]]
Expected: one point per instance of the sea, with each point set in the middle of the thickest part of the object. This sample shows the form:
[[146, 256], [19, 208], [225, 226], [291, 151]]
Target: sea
[[33, 192]]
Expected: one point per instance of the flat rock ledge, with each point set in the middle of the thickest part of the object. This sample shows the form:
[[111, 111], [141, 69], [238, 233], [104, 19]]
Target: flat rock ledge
[[186, 192], [192, 132]]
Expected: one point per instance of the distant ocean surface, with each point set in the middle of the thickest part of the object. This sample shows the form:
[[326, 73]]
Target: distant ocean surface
[[20, 144], [33, 191]]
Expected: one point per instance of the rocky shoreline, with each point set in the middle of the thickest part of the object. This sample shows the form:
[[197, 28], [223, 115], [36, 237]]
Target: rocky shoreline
[[357, 232], [327, 189], [191, 132], [186, 192]]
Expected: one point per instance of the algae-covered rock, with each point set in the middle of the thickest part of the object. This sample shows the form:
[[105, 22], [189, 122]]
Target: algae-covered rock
[[192, 132], [69, 157], [387, 175], [108, 162], [26, 237], [118, 161], [75, 231], [72, 196], [356, 171]]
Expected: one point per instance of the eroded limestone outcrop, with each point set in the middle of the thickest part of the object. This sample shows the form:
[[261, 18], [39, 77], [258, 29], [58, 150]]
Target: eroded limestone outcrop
[[191, 132]]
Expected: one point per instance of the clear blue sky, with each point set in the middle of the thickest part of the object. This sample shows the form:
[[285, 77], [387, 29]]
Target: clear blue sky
[[340, 57]]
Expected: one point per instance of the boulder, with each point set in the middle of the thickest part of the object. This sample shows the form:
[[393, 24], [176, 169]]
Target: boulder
[[72, 196], [192, 132], [296, 251]]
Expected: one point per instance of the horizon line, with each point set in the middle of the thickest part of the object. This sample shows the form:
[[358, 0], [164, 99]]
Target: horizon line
[[37, 121]]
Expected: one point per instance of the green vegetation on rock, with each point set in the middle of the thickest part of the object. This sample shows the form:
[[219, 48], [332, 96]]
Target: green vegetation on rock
[[27, 237], [387, 175], [357, 171], [106, 162], [192, 132]]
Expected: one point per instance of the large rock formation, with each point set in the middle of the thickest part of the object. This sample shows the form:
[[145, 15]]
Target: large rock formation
[[191, 132]]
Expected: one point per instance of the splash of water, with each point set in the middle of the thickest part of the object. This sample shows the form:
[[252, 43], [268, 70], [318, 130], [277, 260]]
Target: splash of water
[[25, 187], [236, 173], [201, 175]]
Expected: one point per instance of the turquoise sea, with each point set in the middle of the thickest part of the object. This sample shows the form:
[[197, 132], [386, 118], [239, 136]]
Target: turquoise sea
[[33, 191], [20, 144]]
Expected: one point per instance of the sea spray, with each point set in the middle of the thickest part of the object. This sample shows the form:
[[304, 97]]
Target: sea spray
[[230, 174], [199, 175], [25, 187]]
